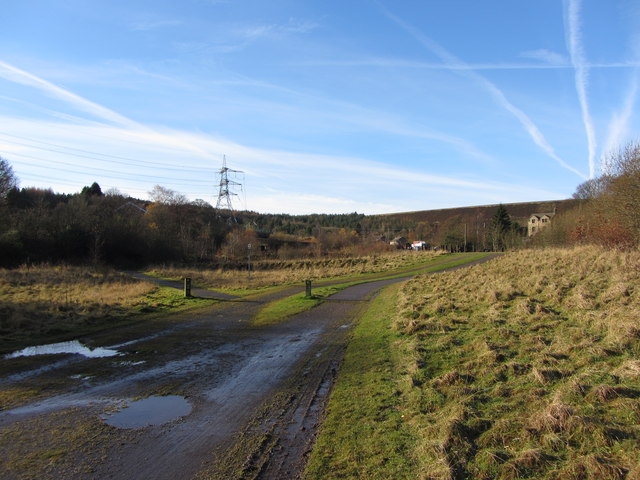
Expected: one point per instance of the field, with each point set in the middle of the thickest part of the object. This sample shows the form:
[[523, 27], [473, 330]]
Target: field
[[45, 304], [266, 273], [527, 366], [524, 367], [269, 382]]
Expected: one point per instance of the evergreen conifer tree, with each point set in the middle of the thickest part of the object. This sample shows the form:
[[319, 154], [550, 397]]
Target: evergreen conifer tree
[[500, 225]]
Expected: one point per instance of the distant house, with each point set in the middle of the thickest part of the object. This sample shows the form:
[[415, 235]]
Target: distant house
[[399, 242], [419, 245], [538, 221]]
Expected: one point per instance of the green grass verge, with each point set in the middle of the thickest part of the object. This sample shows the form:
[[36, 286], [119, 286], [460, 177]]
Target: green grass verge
[[280, 310], [169, 299], [364, 435], [283, 309]]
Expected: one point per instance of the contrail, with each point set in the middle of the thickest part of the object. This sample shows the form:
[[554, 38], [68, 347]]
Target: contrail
[[458, 66], [618, 128], [17, 75], [133, 128], [574, 44]]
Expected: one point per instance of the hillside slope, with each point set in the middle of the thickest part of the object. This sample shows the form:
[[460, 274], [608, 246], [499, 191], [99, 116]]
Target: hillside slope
[[527, 367], [518, 212], [524, 367]]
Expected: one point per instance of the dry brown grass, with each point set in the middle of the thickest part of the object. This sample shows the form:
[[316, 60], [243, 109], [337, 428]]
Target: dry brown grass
[[266, 273], [63, 285], [540, 350], [592, 466], [46, 300]]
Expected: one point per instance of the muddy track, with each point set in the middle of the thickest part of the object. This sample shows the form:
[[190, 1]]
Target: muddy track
[[256, 397]]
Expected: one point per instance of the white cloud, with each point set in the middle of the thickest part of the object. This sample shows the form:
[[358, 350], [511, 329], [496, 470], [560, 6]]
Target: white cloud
[[294, 26], [381, 62], [576, 50], [619, 125], [187, 162], [71, 151], [359, 116], [455, 64], [299, 26], [547, 56], [147, 24], [295, 203], [14, 74]]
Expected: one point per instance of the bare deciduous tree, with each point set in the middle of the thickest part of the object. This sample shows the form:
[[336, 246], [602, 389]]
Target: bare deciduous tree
[[592, 188], [166, 196], [8, 180]]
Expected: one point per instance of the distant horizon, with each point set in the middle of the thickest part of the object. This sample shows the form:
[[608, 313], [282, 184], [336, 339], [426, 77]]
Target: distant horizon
[[147, 200], [370, 106]]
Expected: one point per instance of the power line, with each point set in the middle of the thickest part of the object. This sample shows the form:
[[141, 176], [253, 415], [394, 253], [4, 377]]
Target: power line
[[111, 158], [90, 170], [61, 181]]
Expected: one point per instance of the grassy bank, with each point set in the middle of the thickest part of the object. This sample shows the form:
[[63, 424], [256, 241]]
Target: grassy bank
[[524, 367], [47, 304], [364, 434]]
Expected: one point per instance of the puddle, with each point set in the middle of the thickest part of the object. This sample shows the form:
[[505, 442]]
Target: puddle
[[149, 411], [64, 347], [130, 363]]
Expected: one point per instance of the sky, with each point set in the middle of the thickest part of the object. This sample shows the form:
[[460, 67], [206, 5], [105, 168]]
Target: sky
[[369, 106]]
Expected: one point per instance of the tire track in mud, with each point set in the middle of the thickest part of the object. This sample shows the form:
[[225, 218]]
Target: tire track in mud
[[289, 425], [292, 431]]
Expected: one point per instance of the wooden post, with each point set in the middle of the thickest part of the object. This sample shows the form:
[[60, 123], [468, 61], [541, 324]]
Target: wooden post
[[187, 287], [308, 288]]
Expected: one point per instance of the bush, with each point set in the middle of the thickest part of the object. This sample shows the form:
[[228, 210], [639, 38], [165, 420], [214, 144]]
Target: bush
[[11, 249]]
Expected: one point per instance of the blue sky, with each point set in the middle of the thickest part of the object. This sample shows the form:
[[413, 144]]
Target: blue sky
[[327, 107]]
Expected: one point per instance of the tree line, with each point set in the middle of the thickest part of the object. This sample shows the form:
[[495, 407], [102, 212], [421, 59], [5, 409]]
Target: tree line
[[91, 227], [38, 225], [608, 212]]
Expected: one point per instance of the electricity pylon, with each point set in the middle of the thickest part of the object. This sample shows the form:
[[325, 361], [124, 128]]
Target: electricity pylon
[[225, 193]]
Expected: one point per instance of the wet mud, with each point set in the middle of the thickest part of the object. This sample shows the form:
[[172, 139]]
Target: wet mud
[[149, 411]]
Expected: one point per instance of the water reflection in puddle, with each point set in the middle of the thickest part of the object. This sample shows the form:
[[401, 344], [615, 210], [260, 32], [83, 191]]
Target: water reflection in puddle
[[64, 347], [149, 411]]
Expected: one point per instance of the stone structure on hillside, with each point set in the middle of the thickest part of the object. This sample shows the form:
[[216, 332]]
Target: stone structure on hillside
[[539, 221]]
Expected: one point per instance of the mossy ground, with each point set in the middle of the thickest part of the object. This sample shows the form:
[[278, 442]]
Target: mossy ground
[[28, 454]]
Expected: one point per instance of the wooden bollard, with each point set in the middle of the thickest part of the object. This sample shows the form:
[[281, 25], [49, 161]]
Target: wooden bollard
[[187, 287], [307, 288]]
